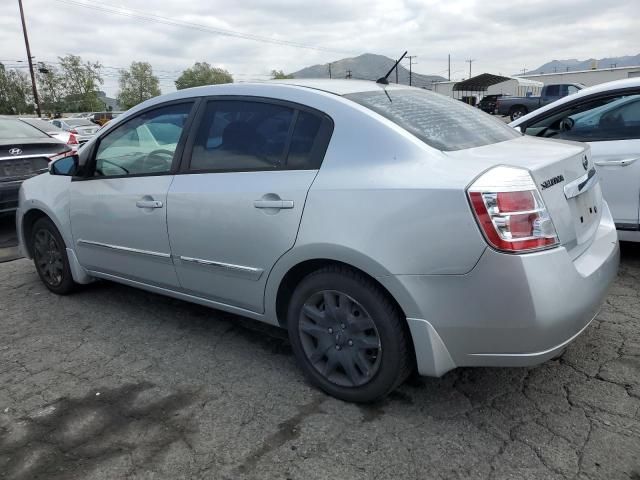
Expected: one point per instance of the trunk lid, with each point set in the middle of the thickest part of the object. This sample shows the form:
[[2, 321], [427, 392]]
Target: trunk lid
[[24, 157], [88, 130], [566, 179]]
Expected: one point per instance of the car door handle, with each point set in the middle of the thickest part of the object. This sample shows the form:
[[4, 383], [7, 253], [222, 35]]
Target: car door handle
[[149, 204], [616, 163], [279, 204]]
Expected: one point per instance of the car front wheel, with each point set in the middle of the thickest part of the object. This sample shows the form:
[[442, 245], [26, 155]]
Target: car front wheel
[[349, 338], [50, 257]]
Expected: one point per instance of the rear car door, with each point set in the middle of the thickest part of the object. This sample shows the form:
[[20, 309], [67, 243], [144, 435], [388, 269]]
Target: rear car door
[[118, 211], [235, 207], [611, 125]]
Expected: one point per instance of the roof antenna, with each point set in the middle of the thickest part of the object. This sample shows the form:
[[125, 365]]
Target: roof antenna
[[383, 80]]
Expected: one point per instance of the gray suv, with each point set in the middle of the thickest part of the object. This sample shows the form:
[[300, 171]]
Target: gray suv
[[388, 228]]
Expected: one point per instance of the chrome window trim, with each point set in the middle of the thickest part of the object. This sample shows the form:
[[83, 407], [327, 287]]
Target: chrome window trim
[[250, 272], [123, 249]]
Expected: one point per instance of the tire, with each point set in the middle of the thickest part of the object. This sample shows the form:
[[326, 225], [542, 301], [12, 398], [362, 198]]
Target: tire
[[358, 349], [517, 112], [50, 257]]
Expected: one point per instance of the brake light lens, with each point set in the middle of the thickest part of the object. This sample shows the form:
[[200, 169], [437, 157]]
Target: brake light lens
[[511, 212], [73, 131]]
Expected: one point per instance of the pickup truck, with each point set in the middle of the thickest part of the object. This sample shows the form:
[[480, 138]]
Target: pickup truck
[[516, 107]]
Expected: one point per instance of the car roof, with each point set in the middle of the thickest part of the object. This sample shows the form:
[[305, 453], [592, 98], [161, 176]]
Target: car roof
[[337, 86], [585, 92]]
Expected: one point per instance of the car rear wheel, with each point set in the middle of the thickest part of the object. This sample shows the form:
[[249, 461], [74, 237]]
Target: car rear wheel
[[349, 338], [517, 112], [50, 257]]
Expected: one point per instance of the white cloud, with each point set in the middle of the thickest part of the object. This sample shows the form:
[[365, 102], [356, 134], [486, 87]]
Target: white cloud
[[503, 36]]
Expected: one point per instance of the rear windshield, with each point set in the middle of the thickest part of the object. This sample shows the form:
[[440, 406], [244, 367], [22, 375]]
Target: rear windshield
[[79, 122], [12, 129], [41, 125], [438, 121]]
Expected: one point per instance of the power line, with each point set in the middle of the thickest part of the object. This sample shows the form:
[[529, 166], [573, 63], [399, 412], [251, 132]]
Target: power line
[[130, 13]]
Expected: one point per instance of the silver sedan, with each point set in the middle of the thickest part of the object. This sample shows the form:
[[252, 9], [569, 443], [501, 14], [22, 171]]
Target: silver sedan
[[388, 228]]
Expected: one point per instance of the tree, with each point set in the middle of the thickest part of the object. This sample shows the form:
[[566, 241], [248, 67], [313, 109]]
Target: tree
[[279, 75], [70, 87], [50, 88], [15, 92], [137, 84], [202, 74]]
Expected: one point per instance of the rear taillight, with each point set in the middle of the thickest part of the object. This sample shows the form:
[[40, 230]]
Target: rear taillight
[[72, 139], [74, 131], [511, 212]]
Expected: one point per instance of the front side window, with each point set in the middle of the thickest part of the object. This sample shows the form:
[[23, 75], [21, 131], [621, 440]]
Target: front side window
[[143, 145], [437, 120], [244, 135], [601, 119]]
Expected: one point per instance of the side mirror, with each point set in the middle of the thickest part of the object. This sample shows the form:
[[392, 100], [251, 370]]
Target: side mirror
[[66, 167]]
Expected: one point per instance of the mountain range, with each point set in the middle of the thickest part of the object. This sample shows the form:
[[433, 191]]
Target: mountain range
[[367, 67], [370, 66], [573, 64]]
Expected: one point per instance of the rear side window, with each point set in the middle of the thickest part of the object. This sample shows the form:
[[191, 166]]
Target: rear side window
[[239, 135], [438, 121]]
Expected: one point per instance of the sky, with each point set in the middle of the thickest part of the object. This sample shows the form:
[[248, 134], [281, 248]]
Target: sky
[[261, 35]]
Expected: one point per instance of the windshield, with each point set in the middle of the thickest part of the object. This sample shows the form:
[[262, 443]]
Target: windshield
[[11, 129], [438, 121], [79, 122]]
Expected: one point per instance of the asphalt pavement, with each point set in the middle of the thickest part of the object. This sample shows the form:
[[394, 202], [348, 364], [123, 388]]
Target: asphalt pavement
[[113, 382]]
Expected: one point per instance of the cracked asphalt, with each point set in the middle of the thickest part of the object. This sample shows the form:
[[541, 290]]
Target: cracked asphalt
[[113, 382]]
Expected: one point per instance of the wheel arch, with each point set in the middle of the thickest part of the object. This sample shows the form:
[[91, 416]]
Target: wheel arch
[[28, 221], [518, 106], [298, 263]]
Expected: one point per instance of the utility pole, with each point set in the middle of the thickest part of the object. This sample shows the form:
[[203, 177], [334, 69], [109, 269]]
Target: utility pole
[[470, 61], [524, 70], [397, 73], [411, 62], [348, 75], [449, 77], [329, 70], [33, 76]]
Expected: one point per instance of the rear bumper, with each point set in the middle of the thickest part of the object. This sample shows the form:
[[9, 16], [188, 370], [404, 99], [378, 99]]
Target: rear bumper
[[511, 310]]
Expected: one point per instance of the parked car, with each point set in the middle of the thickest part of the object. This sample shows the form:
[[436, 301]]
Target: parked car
[[53, 131], [82, 128], [355, 215], [25, 151], [607, 117], [488, 103], [516, 107], [100, 118]]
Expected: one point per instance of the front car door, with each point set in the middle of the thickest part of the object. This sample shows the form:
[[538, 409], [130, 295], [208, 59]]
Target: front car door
[[610, 123], [236, 205], [118, 211]]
